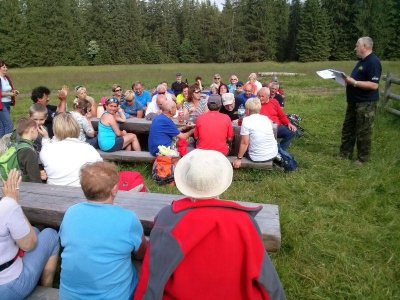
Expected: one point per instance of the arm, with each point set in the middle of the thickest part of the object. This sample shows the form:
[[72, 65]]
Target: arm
[[139, 113], [121, 118], [88, 127], [62, 95], [185, 135], [11, 189], [364, 85], [139, 253], [244, 144]]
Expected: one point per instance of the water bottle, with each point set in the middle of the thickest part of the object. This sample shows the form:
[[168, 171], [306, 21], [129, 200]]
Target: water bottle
[[241, 112]]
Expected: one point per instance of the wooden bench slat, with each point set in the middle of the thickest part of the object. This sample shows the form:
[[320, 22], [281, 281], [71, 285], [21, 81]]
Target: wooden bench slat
[[146, 157], [46, 204], [44, 293]]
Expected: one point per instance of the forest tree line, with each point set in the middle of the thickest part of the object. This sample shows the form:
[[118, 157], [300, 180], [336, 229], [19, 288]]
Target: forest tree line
[[96, 32]]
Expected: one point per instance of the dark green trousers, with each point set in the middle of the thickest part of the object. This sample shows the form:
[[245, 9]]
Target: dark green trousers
[[357, 127]]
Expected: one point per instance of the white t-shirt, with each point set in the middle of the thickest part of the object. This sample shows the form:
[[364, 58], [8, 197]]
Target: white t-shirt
[[5, 88], [62, 160], [12, 226], [262, 142]]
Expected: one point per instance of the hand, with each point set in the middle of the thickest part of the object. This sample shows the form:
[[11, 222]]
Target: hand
[[190, 125], [42, 131], [15, 93], [349, 80], [235, 122], [62, 94], [237, 163], [11, 186], [292, 127], [43, 175]]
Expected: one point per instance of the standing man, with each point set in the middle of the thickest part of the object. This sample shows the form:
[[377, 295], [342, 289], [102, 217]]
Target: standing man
[[177, 85], [362, 98]]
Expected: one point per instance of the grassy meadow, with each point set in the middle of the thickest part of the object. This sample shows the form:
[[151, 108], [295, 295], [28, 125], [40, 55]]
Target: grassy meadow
[[340, 223]]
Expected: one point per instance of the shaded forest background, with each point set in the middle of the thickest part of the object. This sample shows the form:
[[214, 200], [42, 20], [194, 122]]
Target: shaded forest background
[[96, 32]]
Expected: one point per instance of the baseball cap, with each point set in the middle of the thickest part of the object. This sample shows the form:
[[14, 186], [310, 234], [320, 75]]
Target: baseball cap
[[214, 101], [239, 83], [178, 74], [228, 98]]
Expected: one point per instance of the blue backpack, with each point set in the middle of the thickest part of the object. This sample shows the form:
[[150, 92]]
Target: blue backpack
[[285, 160]]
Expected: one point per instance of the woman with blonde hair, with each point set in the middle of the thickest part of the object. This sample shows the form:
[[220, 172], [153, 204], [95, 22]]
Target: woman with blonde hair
[[82, 113], [132, 108], [232, 84], [66, 154], [81, 93]]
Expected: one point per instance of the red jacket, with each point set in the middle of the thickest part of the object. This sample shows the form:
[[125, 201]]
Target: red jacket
[[12, 97], [208, 249], [274, 112]]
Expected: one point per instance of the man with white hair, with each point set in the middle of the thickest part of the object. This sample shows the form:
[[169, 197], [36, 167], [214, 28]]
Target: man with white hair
[[362, 99], [214, 130], [202, 247], [155, 105], [163, 129], [271, 108], [273, 88]]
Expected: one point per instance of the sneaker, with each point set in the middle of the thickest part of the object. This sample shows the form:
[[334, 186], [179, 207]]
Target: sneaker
[[358, 163]]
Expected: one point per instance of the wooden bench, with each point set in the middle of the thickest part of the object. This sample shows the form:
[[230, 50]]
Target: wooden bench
[[46, 204], [43, 293], [146, 157]]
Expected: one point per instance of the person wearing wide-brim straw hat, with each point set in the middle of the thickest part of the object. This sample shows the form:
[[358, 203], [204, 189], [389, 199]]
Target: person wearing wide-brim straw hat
[[205, 248]]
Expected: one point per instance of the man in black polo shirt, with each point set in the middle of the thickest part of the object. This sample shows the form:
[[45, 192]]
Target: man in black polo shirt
[[362, 99]]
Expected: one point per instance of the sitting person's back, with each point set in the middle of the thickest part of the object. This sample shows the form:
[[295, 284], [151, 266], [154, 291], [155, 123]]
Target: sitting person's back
[[213, 129], [65, 155], [98, 239], [203, 247]]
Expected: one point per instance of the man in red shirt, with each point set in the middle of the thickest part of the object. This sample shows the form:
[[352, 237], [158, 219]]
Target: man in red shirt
[[270, 107], [213, 129]]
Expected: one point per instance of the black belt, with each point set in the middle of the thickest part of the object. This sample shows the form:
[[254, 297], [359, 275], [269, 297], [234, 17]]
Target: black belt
[[7, 264]]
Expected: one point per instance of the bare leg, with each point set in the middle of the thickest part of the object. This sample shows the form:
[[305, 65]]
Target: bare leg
[[135, 144], [48, 272]]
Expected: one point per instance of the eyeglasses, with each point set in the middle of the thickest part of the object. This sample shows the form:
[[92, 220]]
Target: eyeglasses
[[118, 90], [113, 100], [217, 78], [197, 92], [233, 79]]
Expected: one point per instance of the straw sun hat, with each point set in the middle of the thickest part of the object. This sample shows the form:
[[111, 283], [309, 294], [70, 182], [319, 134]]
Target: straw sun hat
[[203, 174]]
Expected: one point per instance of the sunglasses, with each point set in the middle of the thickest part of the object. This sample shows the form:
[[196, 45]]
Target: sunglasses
[[128, 100], [197, 92], [233, 79], [112, 100], [217, 77], [117, 90]]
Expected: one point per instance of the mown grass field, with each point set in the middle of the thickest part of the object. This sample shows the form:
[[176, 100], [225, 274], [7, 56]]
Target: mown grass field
[[340, 223]]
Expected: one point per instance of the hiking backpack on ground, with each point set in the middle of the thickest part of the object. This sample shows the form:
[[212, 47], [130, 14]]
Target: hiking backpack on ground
[[163, 169]]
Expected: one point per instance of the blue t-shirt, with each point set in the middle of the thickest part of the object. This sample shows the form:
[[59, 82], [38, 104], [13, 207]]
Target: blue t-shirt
[[144, 98], [367, 69], [131, 109], [242, 98], [98, 240], [162, 130]]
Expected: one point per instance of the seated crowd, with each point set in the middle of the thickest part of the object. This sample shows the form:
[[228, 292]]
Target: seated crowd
[[98, 238]]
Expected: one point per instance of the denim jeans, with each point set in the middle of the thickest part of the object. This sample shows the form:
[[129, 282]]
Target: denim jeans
[[6, 124], [34, 262], [286, 135]]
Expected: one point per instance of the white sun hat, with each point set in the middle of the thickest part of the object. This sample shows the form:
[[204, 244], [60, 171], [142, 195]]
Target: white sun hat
[[203, 174]]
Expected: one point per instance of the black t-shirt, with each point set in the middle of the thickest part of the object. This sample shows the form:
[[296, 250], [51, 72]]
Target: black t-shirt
[[367, 69], [51, 112], [232, 114], [279, 98], [177, 87]]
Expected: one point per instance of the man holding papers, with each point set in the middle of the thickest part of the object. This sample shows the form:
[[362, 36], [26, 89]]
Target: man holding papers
[[362, 98]]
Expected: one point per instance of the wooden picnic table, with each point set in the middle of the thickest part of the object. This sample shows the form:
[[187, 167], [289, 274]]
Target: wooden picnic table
[[142, 126], [46, 204]]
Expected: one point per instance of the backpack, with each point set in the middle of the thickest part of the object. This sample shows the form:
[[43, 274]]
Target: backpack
[[131, 181], [285, 160], [9, 159], [163, 169]]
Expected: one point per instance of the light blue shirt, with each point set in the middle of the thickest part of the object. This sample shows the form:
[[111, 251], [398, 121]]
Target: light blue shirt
[[144, 98], [5, 88], [98, 240]]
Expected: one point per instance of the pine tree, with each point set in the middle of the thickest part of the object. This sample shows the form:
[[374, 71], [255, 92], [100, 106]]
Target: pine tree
[[313, 39], [294, 19]]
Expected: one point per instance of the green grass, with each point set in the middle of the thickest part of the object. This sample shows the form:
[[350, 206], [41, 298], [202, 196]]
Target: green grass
[[340, 223]]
